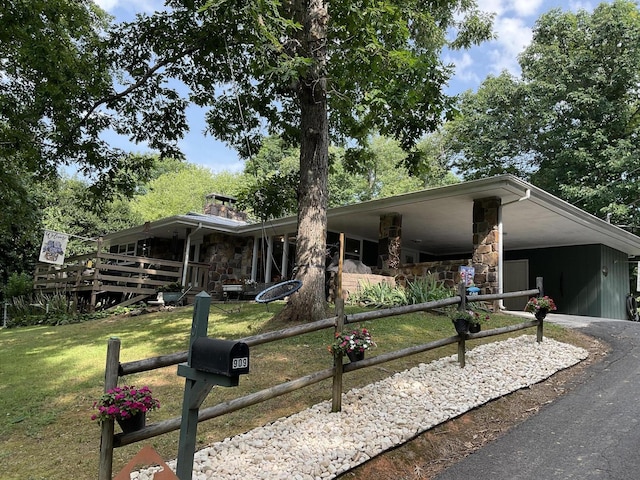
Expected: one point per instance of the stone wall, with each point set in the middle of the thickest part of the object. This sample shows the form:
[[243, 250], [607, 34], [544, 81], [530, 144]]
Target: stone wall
[[485, 244], [444, 271], [229, 259]]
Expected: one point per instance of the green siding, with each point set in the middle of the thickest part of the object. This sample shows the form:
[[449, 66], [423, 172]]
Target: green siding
[[573, 278], [615, 285]]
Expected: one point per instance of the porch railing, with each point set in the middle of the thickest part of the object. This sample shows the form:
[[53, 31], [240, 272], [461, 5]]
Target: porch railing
[[96, 274]]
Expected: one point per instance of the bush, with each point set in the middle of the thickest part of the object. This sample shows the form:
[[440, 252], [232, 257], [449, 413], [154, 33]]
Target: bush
[[378, 295], [421, 290], [18, 284], [427, 289], [40, 309]]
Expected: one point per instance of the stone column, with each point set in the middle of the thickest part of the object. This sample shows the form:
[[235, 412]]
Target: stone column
[[389, 241], [485, 244]]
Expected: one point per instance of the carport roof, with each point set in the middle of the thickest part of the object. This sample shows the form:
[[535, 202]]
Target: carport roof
[[438, 220]]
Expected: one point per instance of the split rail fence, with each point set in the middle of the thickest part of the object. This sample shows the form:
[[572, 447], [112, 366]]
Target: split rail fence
[[115, 369]]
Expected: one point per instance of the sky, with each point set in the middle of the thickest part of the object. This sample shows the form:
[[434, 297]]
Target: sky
[[513, 24]]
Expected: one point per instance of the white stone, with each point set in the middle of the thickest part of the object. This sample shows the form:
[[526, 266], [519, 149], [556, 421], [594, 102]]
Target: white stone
[[316, 444]]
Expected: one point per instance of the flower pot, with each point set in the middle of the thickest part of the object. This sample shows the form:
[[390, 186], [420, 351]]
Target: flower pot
[[462, 325], [355, 355], [474, 328], [541, 313], [134, 423]]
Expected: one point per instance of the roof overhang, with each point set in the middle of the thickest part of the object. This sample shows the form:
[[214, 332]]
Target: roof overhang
[[439, 221], [436, 221]]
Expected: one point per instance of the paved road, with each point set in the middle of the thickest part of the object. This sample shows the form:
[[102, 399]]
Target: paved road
[[592, 432]]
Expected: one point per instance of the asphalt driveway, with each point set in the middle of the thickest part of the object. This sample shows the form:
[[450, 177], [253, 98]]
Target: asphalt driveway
[[592, 432]]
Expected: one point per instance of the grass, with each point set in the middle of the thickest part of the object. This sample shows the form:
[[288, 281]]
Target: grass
[[52, 375]]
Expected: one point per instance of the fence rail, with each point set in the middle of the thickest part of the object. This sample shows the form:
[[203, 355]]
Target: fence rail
[[115, 369]]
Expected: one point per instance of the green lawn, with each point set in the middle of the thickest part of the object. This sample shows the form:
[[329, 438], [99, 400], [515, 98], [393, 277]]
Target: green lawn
[[50, 377]]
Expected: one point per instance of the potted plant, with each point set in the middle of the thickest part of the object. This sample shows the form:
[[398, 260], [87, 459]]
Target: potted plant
[[475, 324], [540, 306], [352, 343], [127, 405], [461, 320], [170, 287]]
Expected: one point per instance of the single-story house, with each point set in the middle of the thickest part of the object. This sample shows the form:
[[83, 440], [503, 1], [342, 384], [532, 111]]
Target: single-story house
[[508, 230]]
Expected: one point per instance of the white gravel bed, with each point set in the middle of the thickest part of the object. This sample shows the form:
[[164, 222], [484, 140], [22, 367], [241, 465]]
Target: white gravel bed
[[316, 444]]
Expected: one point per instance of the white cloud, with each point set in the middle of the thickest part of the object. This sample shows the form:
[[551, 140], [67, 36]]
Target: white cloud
[[107, 5], [513, 35], [464, 68], [495, 6], [525, 8], [116, 7]]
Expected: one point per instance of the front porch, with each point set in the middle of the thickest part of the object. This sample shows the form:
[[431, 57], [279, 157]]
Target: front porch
[[102, 280]]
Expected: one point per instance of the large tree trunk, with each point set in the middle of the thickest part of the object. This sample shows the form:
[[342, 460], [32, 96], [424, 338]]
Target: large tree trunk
[[310, 303]]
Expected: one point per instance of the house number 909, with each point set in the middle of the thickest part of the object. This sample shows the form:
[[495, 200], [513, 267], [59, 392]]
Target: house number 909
[[237, 363]]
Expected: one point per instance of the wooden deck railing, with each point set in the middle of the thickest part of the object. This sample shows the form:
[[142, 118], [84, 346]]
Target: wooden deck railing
[[127, 278]]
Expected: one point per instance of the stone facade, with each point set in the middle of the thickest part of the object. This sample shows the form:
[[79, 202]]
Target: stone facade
[[485, 244], [444, 271], [389, 241], [229, 260]]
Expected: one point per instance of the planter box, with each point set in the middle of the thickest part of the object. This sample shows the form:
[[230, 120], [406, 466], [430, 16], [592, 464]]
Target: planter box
[[171, 297]]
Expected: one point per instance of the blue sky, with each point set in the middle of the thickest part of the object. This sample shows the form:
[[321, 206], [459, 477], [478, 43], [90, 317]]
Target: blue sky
[[513, 25]]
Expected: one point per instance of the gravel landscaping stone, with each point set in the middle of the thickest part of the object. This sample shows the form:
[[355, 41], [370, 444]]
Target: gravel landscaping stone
[[316, 444]]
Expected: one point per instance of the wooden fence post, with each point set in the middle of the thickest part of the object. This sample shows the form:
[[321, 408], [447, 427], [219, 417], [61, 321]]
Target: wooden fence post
[[462, 292], [336, 395], [106, 439], [540, 329], [195, 391], [95, 283]]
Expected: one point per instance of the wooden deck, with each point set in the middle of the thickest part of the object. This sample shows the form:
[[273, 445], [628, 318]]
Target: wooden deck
[[104, 280]]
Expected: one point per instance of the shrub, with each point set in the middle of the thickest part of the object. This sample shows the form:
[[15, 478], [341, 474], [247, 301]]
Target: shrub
[[18, 284], [420, 290], [378, 295], [41, 309], [427, 289]]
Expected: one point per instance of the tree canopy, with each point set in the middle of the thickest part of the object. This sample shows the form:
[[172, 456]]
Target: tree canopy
[[308, 71], [570, 124]]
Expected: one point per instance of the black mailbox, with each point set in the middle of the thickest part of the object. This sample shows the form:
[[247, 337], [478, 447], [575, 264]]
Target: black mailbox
[[222, 357]]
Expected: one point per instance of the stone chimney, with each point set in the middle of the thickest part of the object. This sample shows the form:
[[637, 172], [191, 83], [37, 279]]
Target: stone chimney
[[223, 206]]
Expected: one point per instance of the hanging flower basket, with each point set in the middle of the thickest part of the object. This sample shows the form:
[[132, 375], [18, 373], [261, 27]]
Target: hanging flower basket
[[127, 405], [540, 306], [353, 344]]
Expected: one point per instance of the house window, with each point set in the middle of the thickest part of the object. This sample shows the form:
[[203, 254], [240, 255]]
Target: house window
[[127, 249], [124, 249], [352, 249]]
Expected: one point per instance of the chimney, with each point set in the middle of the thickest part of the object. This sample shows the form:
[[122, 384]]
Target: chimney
[[223, 206]]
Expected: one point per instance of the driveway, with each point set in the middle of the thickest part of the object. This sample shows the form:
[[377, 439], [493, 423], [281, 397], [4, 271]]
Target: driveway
[[592, 432]]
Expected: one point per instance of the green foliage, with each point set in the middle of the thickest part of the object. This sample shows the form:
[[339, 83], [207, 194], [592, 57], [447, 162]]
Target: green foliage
[[378, 295], [427, 289], [183, 190], [18, 284], [41, 309], [72, 208], [570, 123], [55, 72], [420, 290], [20, 223]]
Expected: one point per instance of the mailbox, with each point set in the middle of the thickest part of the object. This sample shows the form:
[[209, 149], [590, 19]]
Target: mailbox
[[221, 357]]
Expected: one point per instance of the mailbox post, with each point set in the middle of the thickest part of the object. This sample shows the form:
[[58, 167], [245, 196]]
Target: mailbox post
[[210, 362]]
